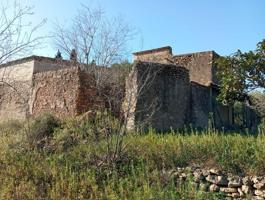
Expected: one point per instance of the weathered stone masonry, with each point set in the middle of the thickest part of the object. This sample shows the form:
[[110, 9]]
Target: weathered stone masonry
[[161, 96], [63, 92], [188, 98], [163, 90], [42, 85]]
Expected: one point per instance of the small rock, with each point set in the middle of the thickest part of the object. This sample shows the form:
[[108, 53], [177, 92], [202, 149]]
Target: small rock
[[241, 193], [235, 181], [179, 169], [205, 173], [260, 185], [247, 189], [198, 176], [247, 181], [211, 178], [256, 179], [214, 188], [257, 198], [228, 190], [217, 180], [215, 171], [235, 195], [260, 193], [183, 176], [221, 181]]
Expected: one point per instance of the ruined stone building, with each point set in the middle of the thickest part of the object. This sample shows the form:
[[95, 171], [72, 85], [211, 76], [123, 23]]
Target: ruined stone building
[[163, 90], [183, 91], [35, 85]]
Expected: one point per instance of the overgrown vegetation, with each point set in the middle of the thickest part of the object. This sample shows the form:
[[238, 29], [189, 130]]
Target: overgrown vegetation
[[241, 73], [74, 159]]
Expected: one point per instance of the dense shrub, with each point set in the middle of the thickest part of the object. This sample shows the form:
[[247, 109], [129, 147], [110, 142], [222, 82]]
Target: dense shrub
[[10, 126], [82, 165], [41, 131]]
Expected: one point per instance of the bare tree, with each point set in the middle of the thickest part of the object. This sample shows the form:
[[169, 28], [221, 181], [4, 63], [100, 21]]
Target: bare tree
[[95, 37], [138, 83], [17, 36]]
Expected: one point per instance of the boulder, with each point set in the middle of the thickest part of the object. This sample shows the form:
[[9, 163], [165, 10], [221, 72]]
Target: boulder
[[205, 172], [198, 176], [256, 179], [215, 171], [247, 189], [214, 188], [217, 180], [247, 181], [228, 190], [241, 193]]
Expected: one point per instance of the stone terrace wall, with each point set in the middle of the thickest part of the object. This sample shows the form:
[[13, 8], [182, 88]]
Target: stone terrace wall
[[161, 96], [214, 180]]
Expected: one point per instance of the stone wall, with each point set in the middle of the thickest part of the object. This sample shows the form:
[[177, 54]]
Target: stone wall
[[87, 97], [214, 180], [200, 66], [55, 92], [222, 114], [206, 109], [161, 96], [200, 105], [16, 82], [64, 92], [159, 55], [43, 64]]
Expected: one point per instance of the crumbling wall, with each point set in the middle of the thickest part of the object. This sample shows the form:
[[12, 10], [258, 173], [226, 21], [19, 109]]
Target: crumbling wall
[[15, 86], [200, 66], [161, 96], [222, 114], [200, 105], [55, 92], [159, 55], [206, 109], [42, 64], [87, 97], [64, 92]]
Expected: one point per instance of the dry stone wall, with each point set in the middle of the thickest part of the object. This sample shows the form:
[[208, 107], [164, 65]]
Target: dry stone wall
[[214, 180]]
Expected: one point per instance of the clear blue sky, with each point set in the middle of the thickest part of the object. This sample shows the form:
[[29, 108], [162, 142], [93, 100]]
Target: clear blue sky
[[186, 25]]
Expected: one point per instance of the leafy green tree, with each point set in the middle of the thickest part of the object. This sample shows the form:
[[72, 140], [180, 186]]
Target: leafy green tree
[[241, 73]]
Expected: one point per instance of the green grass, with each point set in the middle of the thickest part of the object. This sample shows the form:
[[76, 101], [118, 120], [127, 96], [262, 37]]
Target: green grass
[[72, 164]]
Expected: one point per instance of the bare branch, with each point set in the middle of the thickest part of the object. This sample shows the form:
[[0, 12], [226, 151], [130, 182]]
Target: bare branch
[[17, 37]]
